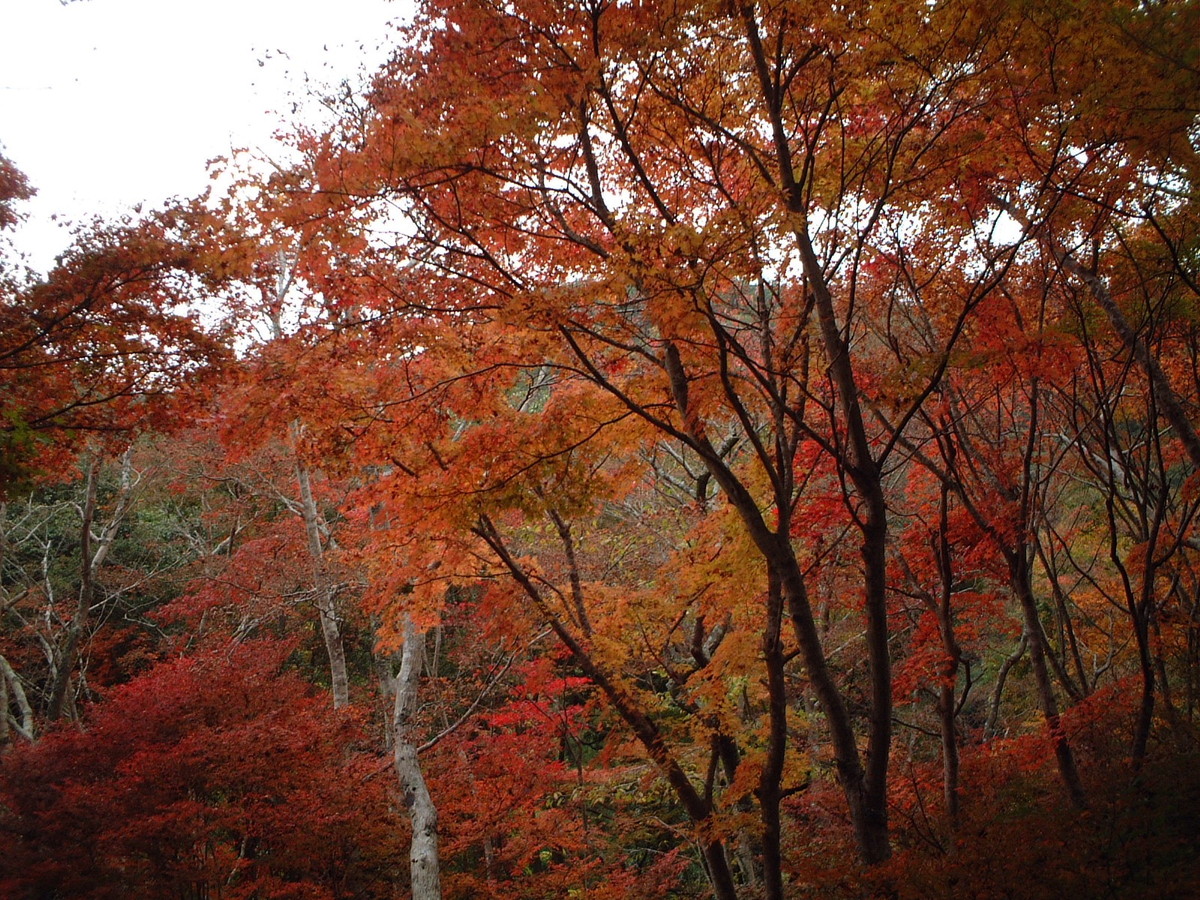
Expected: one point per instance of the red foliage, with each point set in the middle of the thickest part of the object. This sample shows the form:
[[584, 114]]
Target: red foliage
[[13, 186], [215, 776], [104, 347]]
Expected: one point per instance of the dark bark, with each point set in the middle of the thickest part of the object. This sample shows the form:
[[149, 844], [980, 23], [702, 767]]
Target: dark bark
[[1166, 396], [65, 664], [1019, 576], [989, 728], [947, 701], [769, 791], [865, 784], [644, 728]]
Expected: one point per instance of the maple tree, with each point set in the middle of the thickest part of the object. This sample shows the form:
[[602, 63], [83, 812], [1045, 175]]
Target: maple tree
[[651, 265], [1100, 150], [14, 187], [99, 348], [202, 777]]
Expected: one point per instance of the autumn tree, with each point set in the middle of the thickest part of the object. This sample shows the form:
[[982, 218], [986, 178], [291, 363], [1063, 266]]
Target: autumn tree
[[97, 350], [14, 187], [699, 215], [1128, 544], [1100, 129], [206, 775]]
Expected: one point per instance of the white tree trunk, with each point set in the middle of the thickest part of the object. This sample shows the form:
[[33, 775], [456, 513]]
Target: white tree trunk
[[423, 852], [10, 681], [326, 607], [324, 590]]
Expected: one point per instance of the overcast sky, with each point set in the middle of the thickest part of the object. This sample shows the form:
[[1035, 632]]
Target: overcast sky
[[108, 103]]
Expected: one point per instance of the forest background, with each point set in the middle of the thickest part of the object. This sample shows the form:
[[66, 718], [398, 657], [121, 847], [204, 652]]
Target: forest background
[[636, 449]]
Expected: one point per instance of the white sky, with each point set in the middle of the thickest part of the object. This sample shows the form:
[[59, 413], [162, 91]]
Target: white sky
[[109, 103]]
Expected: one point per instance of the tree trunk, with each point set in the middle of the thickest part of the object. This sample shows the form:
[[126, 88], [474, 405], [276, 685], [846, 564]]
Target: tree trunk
[[93, 553], [9, 682], [65, 664], [1145, 716], [770, 781], [423, 850], [867, 795], [1141, 612], [5, 735], [943, 608], [644, 727], [1019, 573], [325, 591], [989, 727]]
